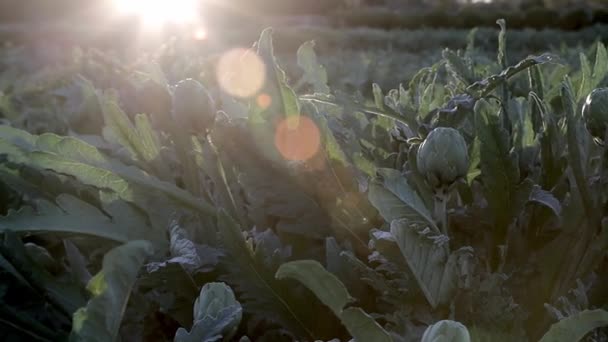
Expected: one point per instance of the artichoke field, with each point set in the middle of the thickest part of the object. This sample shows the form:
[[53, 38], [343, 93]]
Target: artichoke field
[[467, 205]]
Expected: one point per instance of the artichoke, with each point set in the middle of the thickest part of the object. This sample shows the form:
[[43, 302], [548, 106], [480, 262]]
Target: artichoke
[[443, 157], [193, 107], [446, 331], [595, 113]]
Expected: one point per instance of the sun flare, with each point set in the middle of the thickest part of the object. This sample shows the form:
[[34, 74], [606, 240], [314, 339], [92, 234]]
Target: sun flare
[[159, 12]]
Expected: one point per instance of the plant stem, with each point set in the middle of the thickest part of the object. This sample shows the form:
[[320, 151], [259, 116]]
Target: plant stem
[[441, 212]]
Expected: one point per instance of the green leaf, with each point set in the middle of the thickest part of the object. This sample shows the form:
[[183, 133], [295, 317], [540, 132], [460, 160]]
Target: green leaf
[[537, 88], [552, 144], [378, 96], [575, 327], [260, 293], [212, 328], [64, 295], [100, 320], [457, 67], [284, 104], [502, 43], [524, 135], [284, 99], [395, 199], [427, 255], [77, 262], [193, 258], [325, 285], [499, 166], [71, 215], [576, 157], [314, 72], [217, 315], [547, 199], [71, 156], [334, 294], [138, 139], [592, 79]]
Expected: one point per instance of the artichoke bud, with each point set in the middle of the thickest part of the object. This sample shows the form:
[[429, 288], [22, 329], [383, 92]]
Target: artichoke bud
[[443, 157], [446, 331], [595, 113], [193, 107]]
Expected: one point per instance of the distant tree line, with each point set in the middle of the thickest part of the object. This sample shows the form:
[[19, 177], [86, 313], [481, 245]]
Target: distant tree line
[[386, 14]]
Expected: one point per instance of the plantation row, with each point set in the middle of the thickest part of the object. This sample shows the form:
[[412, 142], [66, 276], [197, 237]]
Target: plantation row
[[209, 198]]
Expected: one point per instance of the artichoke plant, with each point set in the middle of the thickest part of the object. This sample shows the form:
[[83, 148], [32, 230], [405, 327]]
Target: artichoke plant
[[446, 331], [443, 157], [193, 107], [595, 113]]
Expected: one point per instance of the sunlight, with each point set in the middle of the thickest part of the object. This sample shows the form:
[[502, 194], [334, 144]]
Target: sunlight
[[155, 13], [241, 73]]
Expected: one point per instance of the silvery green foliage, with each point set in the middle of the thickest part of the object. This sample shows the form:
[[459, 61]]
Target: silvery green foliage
[[217, 315], [446, 331], [443, 157], [595, 112]]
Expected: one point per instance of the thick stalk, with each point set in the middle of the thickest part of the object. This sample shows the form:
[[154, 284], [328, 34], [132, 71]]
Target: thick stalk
[[441, 212]]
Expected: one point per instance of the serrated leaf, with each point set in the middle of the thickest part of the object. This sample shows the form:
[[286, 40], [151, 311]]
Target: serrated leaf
[[592, 78], [575, 327], [314, 72], [100, 320], [77, 263], [499, 166], [65, 295], [436, 270], [334, 294], [217, 315], [457, 67], [211, 329], [149, 143], [576, 157], [71, 215], [70, 156], [259, 292], [173, 280], [395, 199], [378, 96], [551, 144], [193, 258], [285, 101]]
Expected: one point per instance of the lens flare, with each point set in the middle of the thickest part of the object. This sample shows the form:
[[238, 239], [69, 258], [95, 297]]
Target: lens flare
[[241, 73], [263, 100], [201, 34], [297, 138]]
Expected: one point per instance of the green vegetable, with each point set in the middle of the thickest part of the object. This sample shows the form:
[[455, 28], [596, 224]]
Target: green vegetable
[[443, 157], [446, 331], [193, 107], [595, 113], [217, 315]]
